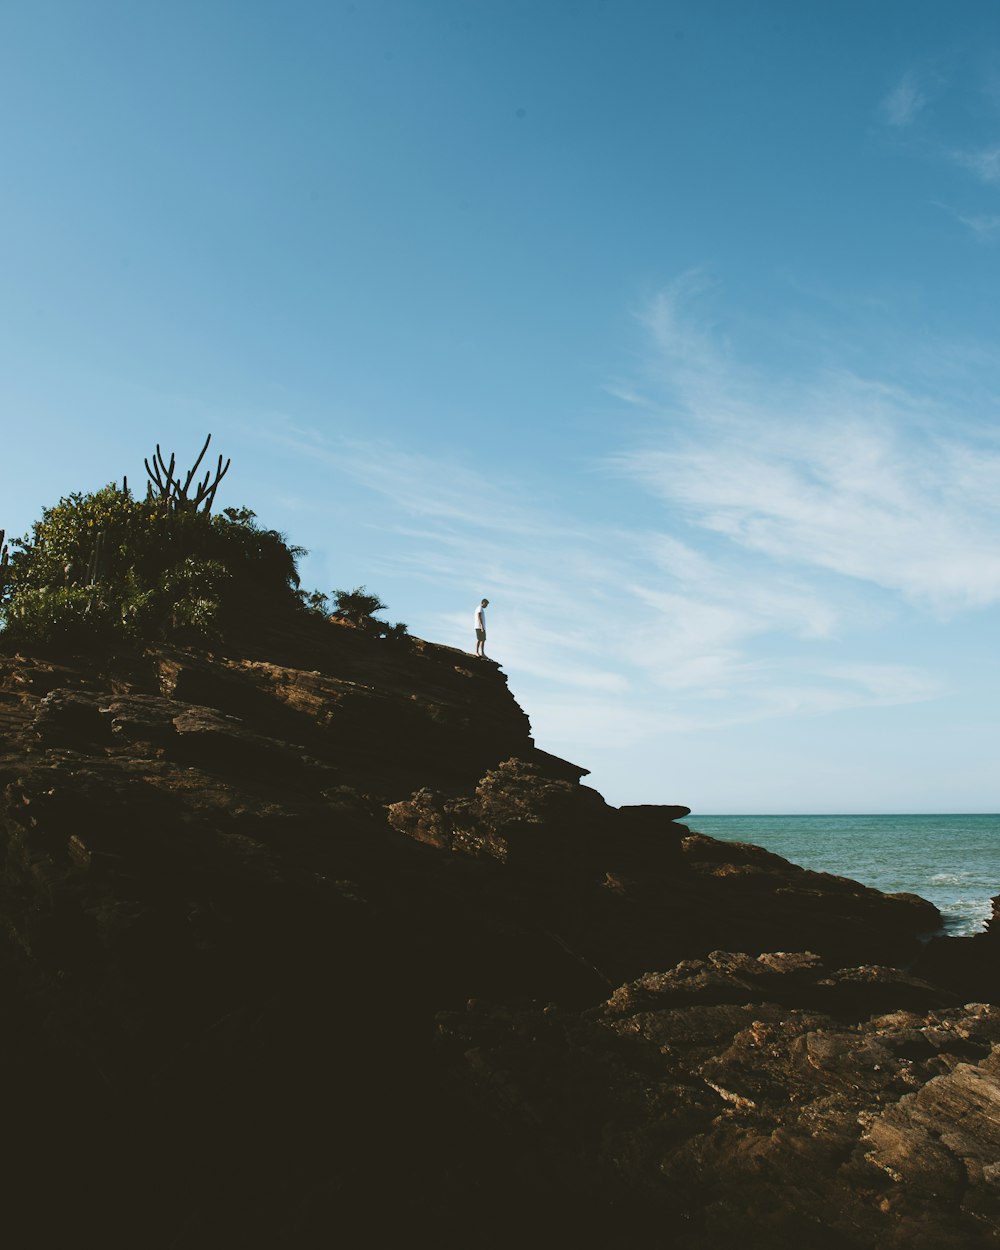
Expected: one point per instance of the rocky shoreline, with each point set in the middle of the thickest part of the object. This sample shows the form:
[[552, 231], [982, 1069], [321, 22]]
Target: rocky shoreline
[[305, 937]]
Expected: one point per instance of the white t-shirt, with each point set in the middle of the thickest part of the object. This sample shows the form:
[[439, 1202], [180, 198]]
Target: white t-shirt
[[480, 617]]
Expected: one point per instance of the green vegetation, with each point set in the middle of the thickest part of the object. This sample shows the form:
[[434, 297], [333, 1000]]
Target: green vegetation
[[357, 607], [106, 567]]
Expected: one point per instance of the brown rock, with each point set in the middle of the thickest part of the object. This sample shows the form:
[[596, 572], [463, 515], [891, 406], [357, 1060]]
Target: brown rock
[[240, 887]]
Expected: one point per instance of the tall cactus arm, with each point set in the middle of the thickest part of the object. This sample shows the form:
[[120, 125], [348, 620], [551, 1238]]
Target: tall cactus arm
[[4, 560], [171, 482], [177, 492], [183, 494], [165, 484], [206, 491]]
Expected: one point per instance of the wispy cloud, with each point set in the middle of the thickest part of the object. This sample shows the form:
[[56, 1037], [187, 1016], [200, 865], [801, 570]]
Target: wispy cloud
[[720, 615], [903, 109], [847, 476], [985, 226], [983, 162], [902, 104], [748, 694]]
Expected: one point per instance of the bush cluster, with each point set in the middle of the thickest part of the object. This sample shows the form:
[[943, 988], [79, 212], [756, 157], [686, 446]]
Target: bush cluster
[[358, 608], [107, 567]]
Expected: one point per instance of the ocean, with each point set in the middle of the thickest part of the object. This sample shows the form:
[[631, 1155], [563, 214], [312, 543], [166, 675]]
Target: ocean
[[954, 861]]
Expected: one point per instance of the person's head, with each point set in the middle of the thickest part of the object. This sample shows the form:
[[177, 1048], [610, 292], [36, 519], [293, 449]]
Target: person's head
[[486, 603]]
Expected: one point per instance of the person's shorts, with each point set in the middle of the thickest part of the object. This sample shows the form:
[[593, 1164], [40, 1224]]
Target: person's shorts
[[480, 635]]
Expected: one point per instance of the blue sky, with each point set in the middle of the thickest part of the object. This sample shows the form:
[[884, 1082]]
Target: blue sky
[[670, 328]]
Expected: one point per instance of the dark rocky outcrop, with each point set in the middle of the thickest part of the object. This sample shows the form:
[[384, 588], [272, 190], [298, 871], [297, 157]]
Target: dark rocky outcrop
[[756, 1102], [309, 931], [971, 965]]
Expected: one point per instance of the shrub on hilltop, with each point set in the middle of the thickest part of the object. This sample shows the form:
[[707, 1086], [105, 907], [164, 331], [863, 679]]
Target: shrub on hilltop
[[357, 607], [106, 566]]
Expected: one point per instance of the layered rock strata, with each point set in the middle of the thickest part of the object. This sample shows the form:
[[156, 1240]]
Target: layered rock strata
[[249, 894]]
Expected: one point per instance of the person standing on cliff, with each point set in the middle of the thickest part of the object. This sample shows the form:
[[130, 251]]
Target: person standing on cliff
[[481, 628]]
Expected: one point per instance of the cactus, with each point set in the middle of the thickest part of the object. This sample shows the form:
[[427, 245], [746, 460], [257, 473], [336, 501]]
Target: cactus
[[96, 570], [170, 489]]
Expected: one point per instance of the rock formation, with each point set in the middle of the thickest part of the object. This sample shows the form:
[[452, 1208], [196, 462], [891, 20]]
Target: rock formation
[[306, 938]]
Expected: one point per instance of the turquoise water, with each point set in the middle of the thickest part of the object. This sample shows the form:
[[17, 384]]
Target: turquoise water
[[954, 861]]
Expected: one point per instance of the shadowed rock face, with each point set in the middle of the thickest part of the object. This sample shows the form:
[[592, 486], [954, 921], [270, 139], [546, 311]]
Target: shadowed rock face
[[249, 896], [734, 1117]]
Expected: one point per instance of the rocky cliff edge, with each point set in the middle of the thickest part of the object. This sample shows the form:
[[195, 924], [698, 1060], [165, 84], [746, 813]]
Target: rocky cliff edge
[[307, 936]]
